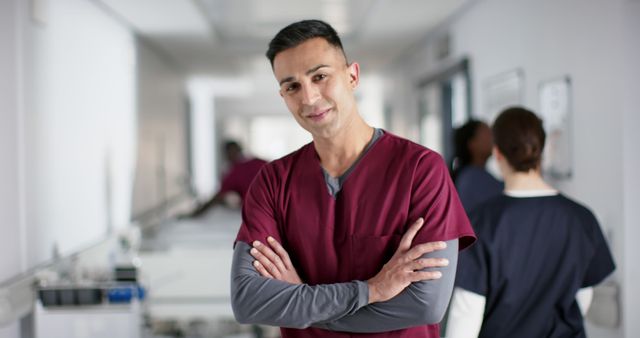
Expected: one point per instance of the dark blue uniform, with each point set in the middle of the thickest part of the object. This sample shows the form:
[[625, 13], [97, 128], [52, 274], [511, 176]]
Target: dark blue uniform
[[475, 185], [532, 256]]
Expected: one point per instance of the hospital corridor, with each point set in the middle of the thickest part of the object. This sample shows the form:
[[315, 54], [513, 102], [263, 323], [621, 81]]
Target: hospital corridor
[[327, 168]]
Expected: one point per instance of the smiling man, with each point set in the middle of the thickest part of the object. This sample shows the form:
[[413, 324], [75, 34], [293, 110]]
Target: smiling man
[[355, 232]]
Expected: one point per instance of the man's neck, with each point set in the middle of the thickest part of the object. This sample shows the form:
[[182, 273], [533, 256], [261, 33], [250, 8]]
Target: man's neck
[[339, 152]]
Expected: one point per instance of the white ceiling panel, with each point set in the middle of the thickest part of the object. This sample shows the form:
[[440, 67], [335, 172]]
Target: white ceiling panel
[[222, 36], [154, 17]]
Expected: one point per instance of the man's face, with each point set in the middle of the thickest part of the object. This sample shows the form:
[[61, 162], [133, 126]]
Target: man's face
[[317, 86]]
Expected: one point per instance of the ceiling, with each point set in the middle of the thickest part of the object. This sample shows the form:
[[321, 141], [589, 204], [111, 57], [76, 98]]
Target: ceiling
[[229, 37]]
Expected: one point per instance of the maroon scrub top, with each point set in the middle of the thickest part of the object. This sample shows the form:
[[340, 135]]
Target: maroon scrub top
[[350, 236]]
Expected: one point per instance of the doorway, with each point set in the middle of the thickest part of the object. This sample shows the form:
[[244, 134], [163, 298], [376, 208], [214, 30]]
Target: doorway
[[444, 104]]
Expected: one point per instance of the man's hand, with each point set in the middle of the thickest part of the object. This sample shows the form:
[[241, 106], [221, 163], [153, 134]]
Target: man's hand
[[404, 267], [273, 261]]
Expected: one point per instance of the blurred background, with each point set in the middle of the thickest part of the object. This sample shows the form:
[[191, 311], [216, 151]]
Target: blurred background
[[113, 113]]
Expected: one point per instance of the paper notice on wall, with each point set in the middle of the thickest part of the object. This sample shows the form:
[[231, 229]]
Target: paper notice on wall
[[555, 111]]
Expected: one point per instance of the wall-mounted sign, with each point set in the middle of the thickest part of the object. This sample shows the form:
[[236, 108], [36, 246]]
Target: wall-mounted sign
[[555, 110]]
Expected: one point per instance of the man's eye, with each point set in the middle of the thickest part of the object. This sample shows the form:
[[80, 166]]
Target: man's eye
[[292, 87], [319, 77]]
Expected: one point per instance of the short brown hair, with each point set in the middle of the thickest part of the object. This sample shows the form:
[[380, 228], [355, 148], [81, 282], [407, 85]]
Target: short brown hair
[[519, 135]]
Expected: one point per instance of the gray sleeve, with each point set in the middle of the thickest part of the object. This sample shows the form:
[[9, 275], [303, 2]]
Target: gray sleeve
[[259, 300], [420, 304]]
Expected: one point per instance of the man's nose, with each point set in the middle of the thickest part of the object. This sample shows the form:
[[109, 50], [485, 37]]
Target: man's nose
[[310, 94]]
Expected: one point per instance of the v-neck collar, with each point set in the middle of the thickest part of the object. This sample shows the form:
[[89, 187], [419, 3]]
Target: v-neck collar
[[334, 184]]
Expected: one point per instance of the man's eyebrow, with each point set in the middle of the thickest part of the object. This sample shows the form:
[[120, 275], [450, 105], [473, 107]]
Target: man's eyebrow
[[308, 72], [286, 79], [312, 70]]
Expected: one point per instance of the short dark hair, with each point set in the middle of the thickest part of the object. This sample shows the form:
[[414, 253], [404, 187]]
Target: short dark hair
[[299, 32], [519, 135], [461, 137], [232, 144]]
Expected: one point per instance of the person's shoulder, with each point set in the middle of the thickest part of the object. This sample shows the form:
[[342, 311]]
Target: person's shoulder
[[580, 211], [580, 218], [401, 147], [395, 141], [287, 161], [274, 173], [258, 161], [253, 163], [478, 178], [491, 207], [569, 205], [465, 175], [473, 171], [486, 215]]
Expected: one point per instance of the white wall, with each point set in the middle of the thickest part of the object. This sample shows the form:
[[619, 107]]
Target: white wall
[[202, 139], [66, 104], [10, 248], [370, 94], [548, 39], [9, 206], [631, 157], [161, 166], [272, 137], [68, 139], [79, 125]]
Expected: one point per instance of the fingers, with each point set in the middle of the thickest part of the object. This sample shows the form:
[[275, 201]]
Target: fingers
[[280, 251], [424, 263], [407, 238], [417, 272], [267, 258], [263, 264], [270, 254], [261, 269], [421, 249], [425, 275]]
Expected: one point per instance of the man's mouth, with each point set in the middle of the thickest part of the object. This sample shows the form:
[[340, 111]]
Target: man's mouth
[[318, 115]]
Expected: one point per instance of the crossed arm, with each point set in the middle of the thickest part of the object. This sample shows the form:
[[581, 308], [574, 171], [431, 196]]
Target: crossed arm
[[406, 292]]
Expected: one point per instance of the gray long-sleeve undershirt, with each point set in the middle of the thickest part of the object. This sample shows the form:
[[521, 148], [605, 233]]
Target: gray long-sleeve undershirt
[[340, 306], [260, 300]]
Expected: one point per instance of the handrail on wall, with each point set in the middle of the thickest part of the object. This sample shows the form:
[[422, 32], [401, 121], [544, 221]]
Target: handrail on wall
[[18, 293]]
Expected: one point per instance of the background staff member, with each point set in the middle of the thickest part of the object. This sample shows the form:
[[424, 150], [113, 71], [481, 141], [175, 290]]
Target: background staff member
[[473, 144], [536, 248], [242, 171]]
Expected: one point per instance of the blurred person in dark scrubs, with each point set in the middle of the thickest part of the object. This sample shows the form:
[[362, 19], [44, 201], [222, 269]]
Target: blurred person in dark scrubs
[[473, 144], [538, 252]]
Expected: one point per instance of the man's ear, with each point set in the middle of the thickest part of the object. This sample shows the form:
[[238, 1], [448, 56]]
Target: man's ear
[[354, 74]]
